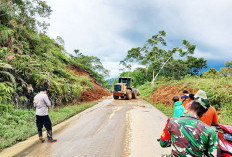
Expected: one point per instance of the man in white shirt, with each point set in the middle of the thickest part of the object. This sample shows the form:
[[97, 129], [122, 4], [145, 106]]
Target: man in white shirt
[[42, 103]]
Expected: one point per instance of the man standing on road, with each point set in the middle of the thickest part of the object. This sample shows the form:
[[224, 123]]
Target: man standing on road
[[42, 103], [189, 136]]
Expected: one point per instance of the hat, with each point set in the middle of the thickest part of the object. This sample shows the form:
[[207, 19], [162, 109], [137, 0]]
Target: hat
[[200, 94], [203, 102]]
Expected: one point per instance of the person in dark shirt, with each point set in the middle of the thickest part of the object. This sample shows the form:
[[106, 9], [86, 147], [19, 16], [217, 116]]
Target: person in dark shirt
[[186, 95]]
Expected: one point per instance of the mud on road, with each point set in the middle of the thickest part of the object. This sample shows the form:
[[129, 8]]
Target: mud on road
[[112, 128]]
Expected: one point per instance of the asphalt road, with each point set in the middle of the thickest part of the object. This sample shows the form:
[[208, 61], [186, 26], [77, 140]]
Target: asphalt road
[[112, 128]]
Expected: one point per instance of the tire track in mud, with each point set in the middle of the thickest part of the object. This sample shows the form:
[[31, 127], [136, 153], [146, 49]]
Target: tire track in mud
[[107, 120]]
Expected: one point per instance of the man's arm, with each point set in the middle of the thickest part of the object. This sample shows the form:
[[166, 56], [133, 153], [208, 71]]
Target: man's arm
[[47, 101], [165, 137], [34, 104]]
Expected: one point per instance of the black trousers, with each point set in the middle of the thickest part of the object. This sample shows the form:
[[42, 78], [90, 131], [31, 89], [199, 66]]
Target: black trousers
[[43, 121]]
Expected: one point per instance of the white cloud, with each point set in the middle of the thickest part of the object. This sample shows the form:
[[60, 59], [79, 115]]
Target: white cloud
[[89, 26], [115, 67], [206, 23], [107, 29], [207, 55]]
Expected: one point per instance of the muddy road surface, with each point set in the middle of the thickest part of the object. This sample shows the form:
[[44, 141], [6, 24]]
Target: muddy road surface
[[112, 128]]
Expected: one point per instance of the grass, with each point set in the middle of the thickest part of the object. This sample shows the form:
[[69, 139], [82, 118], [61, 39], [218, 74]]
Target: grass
[[167, 110], [18, 125], [147, 89]]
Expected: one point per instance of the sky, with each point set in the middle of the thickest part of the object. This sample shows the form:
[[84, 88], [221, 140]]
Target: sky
[[109, 28]]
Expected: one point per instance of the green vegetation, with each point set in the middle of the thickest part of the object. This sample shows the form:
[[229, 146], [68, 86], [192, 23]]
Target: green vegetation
[[219, 92], [18, 125], [29, 59]]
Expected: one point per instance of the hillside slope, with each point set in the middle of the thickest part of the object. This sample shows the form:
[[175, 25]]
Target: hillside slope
[[29, 59], [94, 93], [219, 92]]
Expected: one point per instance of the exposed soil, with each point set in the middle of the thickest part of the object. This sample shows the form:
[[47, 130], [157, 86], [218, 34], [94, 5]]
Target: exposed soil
[[78, 71], [165, 93], [97, 93], [90, 94]]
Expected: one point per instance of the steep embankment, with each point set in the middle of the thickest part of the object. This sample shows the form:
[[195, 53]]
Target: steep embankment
[[165, 93], [94, 93]]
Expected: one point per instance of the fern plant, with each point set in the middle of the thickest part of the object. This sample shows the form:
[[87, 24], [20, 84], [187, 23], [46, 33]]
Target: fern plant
[[5, 33], [6, 92]]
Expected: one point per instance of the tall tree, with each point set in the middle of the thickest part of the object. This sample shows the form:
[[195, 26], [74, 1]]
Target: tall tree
[[156, 54], [195, 65]]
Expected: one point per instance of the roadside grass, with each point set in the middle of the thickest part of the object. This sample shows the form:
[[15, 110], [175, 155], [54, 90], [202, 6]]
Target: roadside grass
[[18, 125], [167, 110], [225, 114], [147, 89]]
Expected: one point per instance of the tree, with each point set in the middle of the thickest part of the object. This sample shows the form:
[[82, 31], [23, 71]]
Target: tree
[[227, 70], [126, 67], [154, 55], [195, 65], [24, 12], [211, 73], [228, 64], [19, 27], [177, 69]]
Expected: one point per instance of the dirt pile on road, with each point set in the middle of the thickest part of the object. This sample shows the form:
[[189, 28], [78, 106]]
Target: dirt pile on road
[[97, 93], [90, 94], [165, 93]]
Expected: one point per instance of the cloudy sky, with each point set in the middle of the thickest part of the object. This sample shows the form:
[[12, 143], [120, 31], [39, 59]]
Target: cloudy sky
[[109, 28]]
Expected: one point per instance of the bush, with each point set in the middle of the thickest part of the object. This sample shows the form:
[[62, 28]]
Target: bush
[[6, 108]]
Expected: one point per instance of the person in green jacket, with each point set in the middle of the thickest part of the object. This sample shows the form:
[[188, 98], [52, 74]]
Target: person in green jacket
[[178, 107]]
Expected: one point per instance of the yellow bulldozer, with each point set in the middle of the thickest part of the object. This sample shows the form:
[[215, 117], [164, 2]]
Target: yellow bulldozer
[[124, 90]]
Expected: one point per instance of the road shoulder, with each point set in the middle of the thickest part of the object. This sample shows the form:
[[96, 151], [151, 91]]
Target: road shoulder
[[145, 124]]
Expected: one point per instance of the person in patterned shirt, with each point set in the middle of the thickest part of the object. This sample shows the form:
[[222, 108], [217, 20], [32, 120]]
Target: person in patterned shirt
[[188, 136]]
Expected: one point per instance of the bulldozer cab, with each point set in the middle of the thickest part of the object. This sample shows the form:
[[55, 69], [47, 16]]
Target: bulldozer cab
[[126, 80]]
